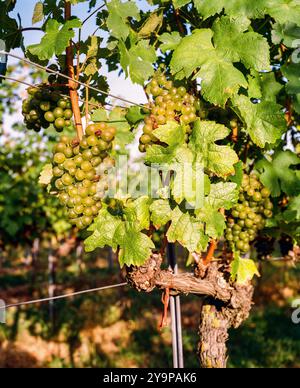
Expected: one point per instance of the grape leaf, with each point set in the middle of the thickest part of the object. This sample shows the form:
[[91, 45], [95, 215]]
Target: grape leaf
[[192, 52], [216, 158], [188, 231], [222, 195], [141, 207], [180, 3], [292, 72], [171, 133], [189, 180], [265, 121], [38, 12], [56, 39], [263, 86], [239, 172], [152, 25], [243, 270], [169, 41], [118, 14], [284, 10], [251, 9], [135, 246], [135, 115], [160, 212], [285, 33], [231, 37], [277, 175], [214, 221], [104, 229], [220, 79], [292, 212], [137, 61]]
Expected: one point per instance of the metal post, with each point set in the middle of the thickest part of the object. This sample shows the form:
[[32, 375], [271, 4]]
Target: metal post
[[175, 316]]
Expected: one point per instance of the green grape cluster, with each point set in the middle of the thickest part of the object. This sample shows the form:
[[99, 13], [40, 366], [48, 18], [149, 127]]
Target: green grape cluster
[[169, 103], [44, 106], [249, 216], [79, 172]]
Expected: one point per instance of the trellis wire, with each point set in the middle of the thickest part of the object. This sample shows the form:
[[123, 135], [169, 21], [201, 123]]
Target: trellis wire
[[69, 78], [62, 94], [65, 296]]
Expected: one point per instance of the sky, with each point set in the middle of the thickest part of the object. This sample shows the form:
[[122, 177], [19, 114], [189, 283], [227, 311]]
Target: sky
[[118, 84]]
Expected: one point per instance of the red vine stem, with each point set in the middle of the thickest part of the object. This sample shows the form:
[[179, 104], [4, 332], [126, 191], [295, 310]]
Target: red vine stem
[[212, 247], [210, 253], [165, 300], [72, 85]]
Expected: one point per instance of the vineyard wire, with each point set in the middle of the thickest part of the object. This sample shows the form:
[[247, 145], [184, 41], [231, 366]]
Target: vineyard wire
[[65, 296], [70, 78], [63, 95]]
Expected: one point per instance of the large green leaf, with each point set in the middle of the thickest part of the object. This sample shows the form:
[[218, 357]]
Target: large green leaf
[[56, 39], [217, 159], [284, 11], [192, 52], [233, 40], [250, 9], [277, 175], [103, 231], [222, 195], [188, 231], [265, 121], [214, 221], [135, 246], [118, 14], [220, 79], [286, 33], [169, 41], [138, 60], [160, 212]]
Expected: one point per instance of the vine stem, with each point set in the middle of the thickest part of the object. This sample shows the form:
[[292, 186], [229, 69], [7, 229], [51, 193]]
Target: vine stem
[[72, 86]]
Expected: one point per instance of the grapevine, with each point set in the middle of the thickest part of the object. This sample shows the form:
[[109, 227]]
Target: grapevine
[[221, 116]]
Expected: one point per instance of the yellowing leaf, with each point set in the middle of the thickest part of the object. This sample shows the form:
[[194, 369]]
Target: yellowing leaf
[[243, 270]]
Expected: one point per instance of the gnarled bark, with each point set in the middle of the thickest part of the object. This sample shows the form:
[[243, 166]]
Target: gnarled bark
[[226, 305]]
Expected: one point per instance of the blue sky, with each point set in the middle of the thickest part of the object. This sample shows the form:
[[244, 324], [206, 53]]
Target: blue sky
[[118, 85]]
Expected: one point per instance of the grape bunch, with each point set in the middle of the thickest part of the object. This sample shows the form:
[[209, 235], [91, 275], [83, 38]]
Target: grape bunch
[[249, 216], [169, 103], [44, 106], [79, 172]]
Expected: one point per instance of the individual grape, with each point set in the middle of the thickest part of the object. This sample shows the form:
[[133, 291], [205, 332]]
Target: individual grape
[[59, 158], [67, 179], [80, 175], [58, 112], [59, 123], [92, 141], [86, 166], [87, 155]]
